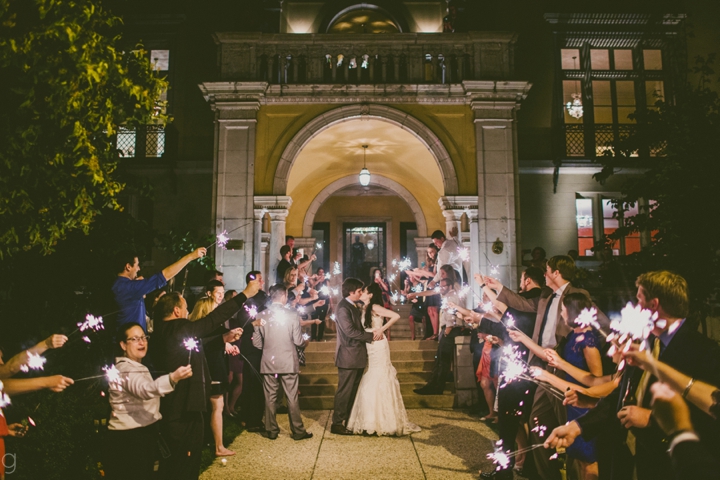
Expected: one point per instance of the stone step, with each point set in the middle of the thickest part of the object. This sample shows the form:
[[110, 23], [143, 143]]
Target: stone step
[[446, 400], [395, 356], [331, 378], [329, 346], [328, 390], [400, 366]]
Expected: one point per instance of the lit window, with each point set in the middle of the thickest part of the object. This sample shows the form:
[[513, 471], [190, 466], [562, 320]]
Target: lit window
[[125, 142], [612, 220], [654, 91], [570, 58], [625, 100], [154, 141], [652, 59], [623, 59], [584, 218], [160, 60], [610, 224], [599, 59]]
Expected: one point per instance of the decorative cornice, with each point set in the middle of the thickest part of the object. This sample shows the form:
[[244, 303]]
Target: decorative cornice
[[479, 94], [273, 202]]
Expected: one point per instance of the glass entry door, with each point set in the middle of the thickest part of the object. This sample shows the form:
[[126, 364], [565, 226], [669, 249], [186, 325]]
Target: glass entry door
[[364, 249]]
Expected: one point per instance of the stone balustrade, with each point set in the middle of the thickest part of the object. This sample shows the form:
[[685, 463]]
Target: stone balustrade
[[408, 58]]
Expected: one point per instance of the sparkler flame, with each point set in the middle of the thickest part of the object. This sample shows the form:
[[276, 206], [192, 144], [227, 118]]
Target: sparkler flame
[[336, 268], [252, 311], [4, 399], [588, 318], [222, 239], [445, 306], [464, 254], [318, 246], [91, 323], [35, 362], [112, 374], [305, 337], [498, 457], [191, 344], [325, 290]]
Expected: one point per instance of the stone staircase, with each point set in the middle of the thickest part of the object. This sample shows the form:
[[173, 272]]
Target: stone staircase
[[413, 361]]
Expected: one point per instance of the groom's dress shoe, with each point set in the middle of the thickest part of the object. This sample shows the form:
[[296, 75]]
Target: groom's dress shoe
[[340, 430], [271, 436], [303, 436]]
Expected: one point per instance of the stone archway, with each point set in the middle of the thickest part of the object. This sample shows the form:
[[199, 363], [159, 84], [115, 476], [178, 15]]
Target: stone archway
[[379, 180], [361, 111]]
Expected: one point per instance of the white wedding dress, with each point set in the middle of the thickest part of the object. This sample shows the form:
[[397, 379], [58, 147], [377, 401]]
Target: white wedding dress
[[379, 407]]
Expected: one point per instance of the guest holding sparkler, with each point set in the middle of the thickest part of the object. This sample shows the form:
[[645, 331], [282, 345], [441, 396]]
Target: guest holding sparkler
[[445, 272], [450, 327], [677, 343], [252, 398], [548, 332], [580, 350], [448, 254], [184, 409], [129, 289], [319, 283], [21, 360], [215, 348], [132, 438], [279, 337]]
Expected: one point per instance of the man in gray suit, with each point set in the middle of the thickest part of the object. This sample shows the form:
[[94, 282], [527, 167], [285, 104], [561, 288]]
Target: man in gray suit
[[277, 337], [350, 352]]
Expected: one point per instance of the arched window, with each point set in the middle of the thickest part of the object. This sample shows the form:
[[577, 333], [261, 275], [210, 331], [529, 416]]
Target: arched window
[[363, 18]]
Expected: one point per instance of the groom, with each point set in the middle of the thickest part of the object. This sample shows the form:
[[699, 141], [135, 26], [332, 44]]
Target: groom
[[350, 352]]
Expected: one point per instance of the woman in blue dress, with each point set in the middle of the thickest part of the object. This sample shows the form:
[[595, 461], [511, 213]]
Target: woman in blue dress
[[580, 350]]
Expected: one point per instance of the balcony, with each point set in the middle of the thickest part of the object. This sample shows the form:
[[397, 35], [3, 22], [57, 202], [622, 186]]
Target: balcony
[[402, 58]]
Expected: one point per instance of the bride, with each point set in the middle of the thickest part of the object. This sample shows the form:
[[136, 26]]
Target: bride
[[379, 407]]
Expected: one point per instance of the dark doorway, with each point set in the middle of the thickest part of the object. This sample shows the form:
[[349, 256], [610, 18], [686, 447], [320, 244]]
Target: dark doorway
[[321, 233], [408, 234], [364, 249]]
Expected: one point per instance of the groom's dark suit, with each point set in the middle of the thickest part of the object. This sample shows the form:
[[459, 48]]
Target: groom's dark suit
[[350, 358]]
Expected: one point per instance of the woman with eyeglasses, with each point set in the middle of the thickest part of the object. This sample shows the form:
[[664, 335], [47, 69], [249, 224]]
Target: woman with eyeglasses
[[133, 432]]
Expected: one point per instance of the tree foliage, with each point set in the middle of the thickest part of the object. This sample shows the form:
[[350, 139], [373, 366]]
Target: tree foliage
[[682, 182], [65, 87]]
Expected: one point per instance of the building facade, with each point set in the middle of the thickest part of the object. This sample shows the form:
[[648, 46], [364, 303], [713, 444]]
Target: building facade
[[490, 132]]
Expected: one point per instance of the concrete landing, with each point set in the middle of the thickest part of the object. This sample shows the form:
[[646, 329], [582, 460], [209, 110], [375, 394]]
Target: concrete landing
[[452, 445]]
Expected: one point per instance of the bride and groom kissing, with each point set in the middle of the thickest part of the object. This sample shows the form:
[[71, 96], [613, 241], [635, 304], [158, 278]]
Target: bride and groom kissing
[[366, 401]]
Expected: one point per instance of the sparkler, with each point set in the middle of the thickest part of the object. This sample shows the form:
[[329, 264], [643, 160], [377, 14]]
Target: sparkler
[[635, 324], [325, 290], [498, 457], [336, 268], [318, 246], [305, 337], [252, 311], [4, 399], [191, 344], [517, 369], [112, 374], [333, 317], [35, 362], [221, 240], [91, 323], [464, 254], [445, 306], [588, 318]]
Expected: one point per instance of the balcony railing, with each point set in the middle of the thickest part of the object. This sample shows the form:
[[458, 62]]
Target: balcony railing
[[365, 59]]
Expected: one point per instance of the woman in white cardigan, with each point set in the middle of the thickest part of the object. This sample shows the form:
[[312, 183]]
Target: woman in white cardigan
[[133, 427]]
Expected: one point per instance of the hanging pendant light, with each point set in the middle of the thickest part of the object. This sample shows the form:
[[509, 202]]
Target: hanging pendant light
[[364, 173]]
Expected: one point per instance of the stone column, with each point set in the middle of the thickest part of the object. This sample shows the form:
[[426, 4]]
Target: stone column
[[257, 235], [233, 183], [264, 245], [278, 208], [474, 249], [498, 207]]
